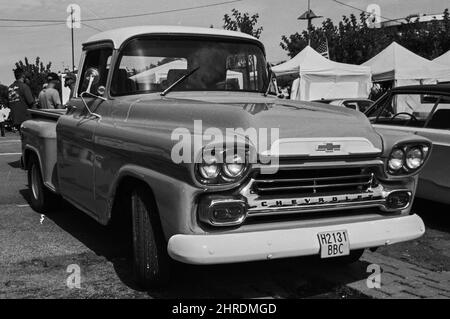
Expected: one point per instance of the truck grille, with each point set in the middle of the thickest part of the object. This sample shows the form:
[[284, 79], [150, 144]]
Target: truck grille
[[315, 181]]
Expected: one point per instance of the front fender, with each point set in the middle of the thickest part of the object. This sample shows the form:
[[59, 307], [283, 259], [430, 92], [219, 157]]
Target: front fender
[[175, 199]]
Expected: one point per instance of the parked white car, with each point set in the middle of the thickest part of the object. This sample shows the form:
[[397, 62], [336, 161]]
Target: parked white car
[[361, 105], [422, 110]]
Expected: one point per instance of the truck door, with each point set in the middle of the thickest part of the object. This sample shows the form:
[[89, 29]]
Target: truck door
[[75, 133]]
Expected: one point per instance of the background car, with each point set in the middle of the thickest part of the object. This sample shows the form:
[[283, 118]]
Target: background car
[[361, 105], [423, 110]]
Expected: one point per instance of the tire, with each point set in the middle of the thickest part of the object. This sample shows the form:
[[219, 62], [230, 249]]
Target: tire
[[150, 257], [42, 199], [354, 256]]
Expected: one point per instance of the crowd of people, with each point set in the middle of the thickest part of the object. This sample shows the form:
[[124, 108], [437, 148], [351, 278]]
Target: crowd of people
[[16, 99]]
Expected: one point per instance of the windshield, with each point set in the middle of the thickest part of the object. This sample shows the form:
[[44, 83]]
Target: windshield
[[149, 65]]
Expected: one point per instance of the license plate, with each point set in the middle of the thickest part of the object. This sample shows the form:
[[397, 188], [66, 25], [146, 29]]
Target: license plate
[[334, 244]]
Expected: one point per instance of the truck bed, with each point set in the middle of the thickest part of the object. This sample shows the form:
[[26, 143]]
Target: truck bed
[[47, 113], [39, 138]]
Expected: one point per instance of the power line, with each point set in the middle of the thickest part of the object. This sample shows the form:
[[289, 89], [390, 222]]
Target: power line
[[125, 16], [165, 11], [31, 25], [350, 6], [92, 27]]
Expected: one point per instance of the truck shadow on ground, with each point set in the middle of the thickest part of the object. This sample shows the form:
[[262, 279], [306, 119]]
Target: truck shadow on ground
[[434, 214], [15, 164], [284, 278]]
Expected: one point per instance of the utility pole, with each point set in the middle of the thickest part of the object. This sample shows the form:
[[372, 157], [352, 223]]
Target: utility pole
[[71, 30], [309, 15]]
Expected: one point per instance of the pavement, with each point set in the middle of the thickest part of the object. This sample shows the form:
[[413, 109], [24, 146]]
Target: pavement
[[39, 254]]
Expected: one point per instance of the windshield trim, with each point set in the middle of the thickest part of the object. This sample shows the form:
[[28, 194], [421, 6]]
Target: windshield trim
[[180, 36]]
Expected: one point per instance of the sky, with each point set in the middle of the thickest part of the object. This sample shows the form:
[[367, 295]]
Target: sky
[[53, 43]]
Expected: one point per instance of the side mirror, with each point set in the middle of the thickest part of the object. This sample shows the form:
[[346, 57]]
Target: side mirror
[[101, 90]]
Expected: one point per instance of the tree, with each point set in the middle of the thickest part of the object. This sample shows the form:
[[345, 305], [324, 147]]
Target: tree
[[36, 72], [242, 22], [353, 41]]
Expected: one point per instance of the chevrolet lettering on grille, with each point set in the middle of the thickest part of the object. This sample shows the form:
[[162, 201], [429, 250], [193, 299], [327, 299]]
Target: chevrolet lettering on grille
[[308, 201]]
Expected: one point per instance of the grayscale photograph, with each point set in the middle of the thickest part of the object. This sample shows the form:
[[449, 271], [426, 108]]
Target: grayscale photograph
[[214, 157]]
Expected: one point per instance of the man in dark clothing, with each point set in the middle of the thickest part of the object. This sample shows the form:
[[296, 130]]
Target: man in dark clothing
[[69, 81], [20, 99]]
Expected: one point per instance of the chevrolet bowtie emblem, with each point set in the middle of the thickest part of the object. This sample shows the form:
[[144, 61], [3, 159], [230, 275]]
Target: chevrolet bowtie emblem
[[328, 148]]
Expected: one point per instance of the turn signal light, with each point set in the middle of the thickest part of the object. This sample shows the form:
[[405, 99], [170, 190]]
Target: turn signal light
[[222, 211], [398, 200]]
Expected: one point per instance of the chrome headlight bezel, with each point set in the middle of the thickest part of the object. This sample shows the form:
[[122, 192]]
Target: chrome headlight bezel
[[406, 149]]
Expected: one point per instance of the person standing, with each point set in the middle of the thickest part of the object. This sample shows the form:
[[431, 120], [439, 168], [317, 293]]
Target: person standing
[[4, 110], [49, 96], [69, 82], [20, 99]]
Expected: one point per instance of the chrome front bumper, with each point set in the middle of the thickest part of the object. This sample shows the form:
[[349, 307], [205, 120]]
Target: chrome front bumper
[[262, 245]]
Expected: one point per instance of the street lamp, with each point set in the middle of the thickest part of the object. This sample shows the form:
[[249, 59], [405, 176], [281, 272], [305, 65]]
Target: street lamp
[[309, 15]]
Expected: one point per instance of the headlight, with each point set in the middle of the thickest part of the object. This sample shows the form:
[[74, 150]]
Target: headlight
[[219, 169], [407, 159], [209, 171], [396, 160], [414, 158], [234, 167]]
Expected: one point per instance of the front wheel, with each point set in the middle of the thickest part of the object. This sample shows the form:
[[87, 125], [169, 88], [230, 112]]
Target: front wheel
[[42, 199], [151, 261]]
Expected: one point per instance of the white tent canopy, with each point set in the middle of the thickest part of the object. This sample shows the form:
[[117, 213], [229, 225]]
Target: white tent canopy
[[322, 78], [405, 67], [159, 73], [443, 59]]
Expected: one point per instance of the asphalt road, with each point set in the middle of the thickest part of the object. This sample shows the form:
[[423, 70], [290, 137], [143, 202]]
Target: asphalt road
[[36, 252]]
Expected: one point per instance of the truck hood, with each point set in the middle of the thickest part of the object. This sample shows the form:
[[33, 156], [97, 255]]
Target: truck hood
[[294, 119]]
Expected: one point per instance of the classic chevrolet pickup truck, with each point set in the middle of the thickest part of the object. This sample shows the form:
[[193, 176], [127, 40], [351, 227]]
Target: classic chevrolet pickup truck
[[143, 139]]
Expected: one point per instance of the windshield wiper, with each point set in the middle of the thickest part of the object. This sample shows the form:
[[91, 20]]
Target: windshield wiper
[[184, 77], [268, 86]]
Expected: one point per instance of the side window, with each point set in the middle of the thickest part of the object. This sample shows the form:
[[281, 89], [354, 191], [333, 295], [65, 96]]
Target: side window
[[410, 109], [441, 116], [100, 60]]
